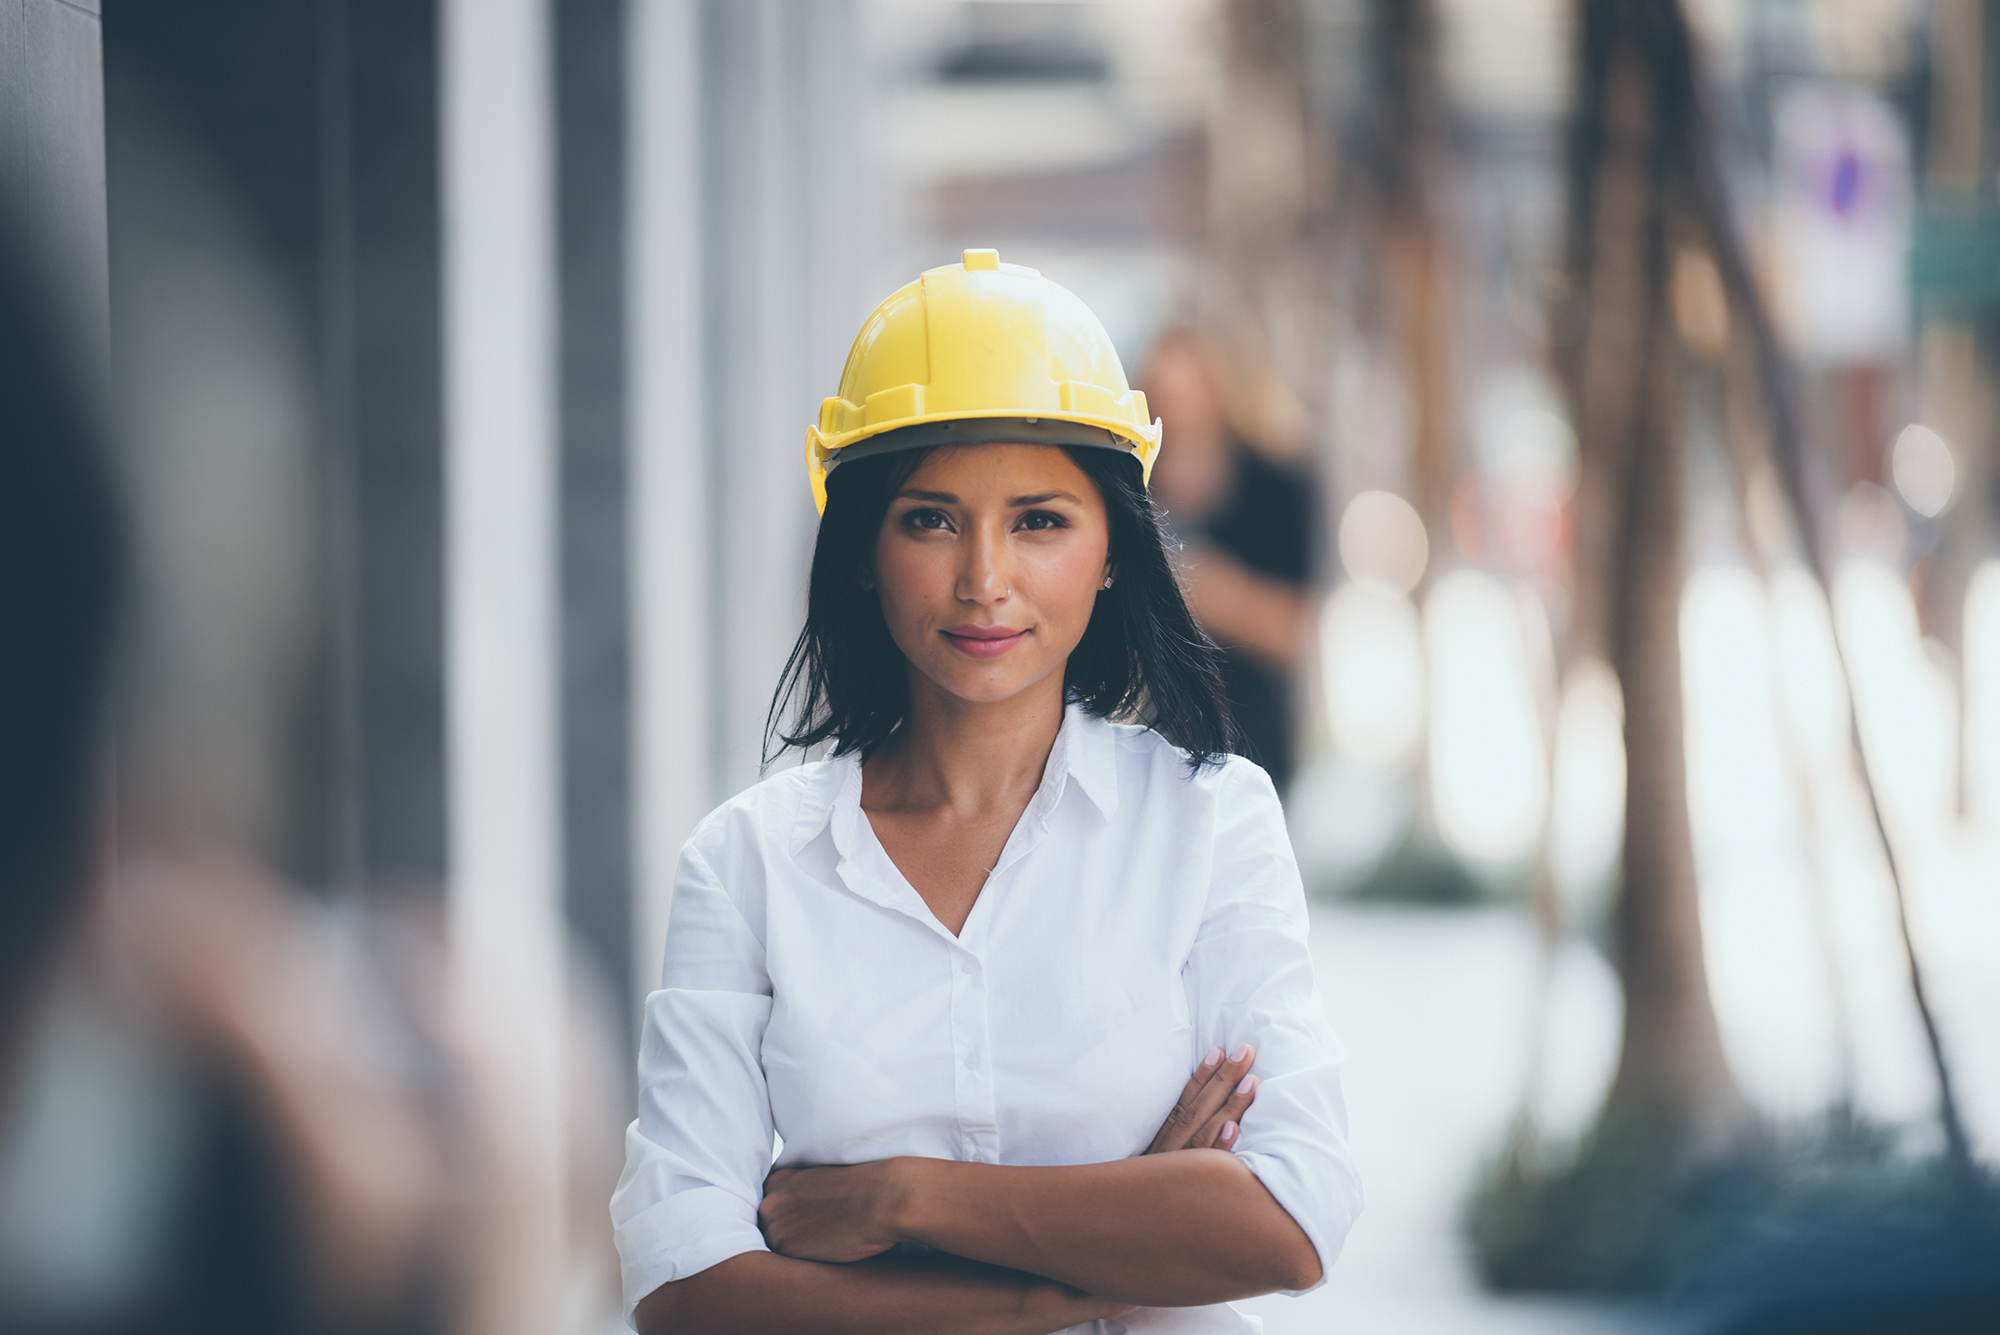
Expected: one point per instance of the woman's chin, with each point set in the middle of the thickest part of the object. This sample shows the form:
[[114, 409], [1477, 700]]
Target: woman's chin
[[986, 683]]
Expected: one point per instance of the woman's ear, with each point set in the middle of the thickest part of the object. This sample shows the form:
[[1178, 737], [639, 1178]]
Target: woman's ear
[[1110, 576], [866, 576]]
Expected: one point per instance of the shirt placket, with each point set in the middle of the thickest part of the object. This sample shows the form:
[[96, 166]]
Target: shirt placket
[[971, 1037], [972, 1059]]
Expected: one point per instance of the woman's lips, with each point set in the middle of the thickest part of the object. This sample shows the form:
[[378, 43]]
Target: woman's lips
[[983, 641]]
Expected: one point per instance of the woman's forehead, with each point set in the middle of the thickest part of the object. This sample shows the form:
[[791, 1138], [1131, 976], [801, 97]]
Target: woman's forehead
[[999, 467]]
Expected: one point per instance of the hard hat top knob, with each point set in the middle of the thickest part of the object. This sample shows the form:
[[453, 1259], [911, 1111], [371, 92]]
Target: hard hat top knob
[[981, 259]]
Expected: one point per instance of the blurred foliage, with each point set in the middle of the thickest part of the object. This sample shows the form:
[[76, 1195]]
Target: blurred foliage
[[1842, 1226], [1422, 871]]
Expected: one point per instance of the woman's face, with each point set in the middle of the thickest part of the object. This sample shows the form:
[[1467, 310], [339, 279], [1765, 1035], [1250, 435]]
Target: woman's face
[[988, 564]]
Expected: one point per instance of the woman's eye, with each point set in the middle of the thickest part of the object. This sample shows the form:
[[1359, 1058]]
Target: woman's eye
[[926, 519], [1043, 519]]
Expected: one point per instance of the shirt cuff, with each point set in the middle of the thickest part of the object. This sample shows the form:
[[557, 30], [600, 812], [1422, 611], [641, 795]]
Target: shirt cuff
[[1326, 1211], [683, 1235]]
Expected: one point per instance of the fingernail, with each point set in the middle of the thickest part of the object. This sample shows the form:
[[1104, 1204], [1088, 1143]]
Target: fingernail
[[1242, 1051], [1229, 1130], [1246, 1084], [1214, 1056]]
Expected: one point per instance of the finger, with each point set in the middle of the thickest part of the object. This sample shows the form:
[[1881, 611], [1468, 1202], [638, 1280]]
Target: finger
[[1182, 1121], [1218, 1091], [1221, 1086], [1199, 1080], [1202, 1096], [766, 1221], [1229, 1115], [1209, 1099]]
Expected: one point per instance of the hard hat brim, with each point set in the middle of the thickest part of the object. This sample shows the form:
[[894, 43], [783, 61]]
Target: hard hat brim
[[978, 430], [983, 431]]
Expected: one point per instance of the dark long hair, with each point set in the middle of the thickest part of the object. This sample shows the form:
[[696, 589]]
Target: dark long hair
[[1141, 657], [59, 566]]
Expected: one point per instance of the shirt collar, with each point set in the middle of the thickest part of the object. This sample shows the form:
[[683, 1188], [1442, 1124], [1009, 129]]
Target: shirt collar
[[818, 794], [1085, 752]]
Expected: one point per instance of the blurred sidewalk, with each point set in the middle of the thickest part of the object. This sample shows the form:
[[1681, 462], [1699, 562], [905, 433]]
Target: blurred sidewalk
[[1433, 1008]]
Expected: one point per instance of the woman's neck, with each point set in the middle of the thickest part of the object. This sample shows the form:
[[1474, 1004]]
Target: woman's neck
[[965, 756]]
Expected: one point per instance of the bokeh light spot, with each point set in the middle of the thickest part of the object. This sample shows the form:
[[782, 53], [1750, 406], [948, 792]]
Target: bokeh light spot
[[1923, 468], [1373, 659], [1382, 541]]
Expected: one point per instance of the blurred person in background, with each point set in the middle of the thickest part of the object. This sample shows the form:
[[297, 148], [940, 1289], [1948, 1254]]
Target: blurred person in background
[[1247, 525], [58, 579], [962, 966], [196, 1131]]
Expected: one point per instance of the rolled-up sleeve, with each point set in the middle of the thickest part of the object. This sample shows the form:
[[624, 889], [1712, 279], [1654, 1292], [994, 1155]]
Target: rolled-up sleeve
[[696, 1158], [1249, 978]]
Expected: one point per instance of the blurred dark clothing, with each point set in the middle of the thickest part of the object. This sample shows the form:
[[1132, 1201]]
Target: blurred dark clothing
[[1260, 700], [1267, 524], [1267, 521]]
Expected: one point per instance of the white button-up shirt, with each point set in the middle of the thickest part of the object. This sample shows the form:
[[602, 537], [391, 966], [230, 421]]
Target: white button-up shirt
[[1138, 917]]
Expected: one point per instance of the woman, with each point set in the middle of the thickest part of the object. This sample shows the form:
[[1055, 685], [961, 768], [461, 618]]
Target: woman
[[963, 966], [1247, 520]]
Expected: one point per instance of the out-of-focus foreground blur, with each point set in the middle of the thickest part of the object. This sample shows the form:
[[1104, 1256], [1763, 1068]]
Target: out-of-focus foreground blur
[[1582, 427]]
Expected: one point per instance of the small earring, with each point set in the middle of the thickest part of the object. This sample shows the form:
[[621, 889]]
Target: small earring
[[1107, 581]]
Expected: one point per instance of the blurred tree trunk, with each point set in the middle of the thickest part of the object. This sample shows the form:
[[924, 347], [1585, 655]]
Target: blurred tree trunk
[[1959, 359], [1261, 190], [1638, 128], [1406, 159]]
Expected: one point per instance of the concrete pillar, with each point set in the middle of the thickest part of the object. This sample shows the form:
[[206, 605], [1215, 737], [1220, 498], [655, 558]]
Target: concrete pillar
[[597, 650], [782, 111], [747, 232], [387, 306], [502, 745], [673, 774], [52, 154], [274, 190]]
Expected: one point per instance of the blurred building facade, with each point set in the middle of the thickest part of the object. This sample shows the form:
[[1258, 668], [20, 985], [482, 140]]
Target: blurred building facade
[[407, 305], [277, 203]]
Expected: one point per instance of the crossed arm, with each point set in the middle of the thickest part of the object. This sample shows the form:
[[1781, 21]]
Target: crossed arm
[[1027, 1250]]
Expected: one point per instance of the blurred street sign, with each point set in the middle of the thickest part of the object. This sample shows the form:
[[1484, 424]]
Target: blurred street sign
[[1841, 218]]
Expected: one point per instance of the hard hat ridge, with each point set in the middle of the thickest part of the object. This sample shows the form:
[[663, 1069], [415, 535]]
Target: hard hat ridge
[[975, 353]]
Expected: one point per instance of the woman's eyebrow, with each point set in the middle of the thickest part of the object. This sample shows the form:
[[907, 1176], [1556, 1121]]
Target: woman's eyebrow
[[1043, 498], [942, 497]]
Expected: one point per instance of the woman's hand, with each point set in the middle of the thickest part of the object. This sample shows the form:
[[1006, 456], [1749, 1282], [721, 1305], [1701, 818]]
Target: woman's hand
[[845, 1214], [1210, 1109], [1057, 1307], [832, 1214]]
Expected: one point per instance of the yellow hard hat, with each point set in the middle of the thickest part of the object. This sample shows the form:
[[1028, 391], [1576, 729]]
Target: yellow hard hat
[[973, 353]]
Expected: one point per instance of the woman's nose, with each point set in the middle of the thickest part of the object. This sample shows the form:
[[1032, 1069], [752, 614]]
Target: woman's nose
[[983, 578]]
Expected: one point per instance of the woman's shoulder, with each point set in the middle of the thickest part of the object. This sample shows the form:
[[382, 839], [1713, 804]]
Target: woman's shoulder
[[1165, 768], [771, 809]]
